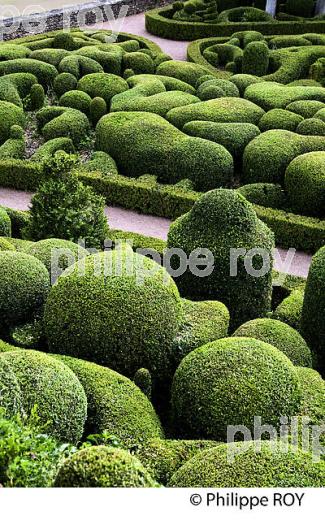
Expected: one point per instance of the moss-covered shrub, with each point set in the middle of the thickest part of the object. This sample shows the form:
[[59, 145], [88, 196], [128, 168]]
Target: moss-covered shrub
[[270, 95], [162, 458], [24, 287], [79, 66], [246, 465], [14, 147], [100, 162], [44, 72], [76, 99], [64, 82], [52, 56], [90, 316], [5, 223], [306, 109], [229, 382], [256, 58], [184, 71], [233, 136], [264, 194], [222, 220], [53, 388], [10, 115], [312, 319], [305, 183], [131, 139], [290, 309], [221, 110], [139, 62], [5, 245], [281, 336], [311, 126], [10, 392], [101, 466], [202, 323], [102, 85], [281, 119], [97, 109], [269, 154], [52, 146], [115, 404], [55, 121], [36, 97], [228, 89], [56, 254], [159, 103]]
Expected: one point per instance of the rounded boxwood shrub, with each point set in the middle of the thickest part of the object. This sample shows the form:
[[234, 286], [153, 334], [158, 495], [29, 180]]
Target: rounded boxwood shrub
[[101, 466], [281, 336], [115, 404], [5, 347], [223, 220], [290, 309], [305, 108], [256, 58], [5, 223], [10, 392], [265, 194], [89, 316], [279, 118], [10, 115], [162, 457], [76, 99], [313, 396], [56, 254], [102, 85], [188, 72], [97, 109], [53, 388], [305, 183], [269, 95], [311, 126], [64, 82], [244, 464], [228, 88], [312, 319], [24, 287], [55, 121], [79, 66], [5, 245], [229, 382], [242, 81]]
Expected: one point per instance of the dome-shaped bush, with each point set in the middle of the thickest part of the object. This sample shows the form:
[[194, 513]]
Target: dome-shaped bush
[[279, 119], [249, 466], [115, 404], [224, 222], [54, 389], [5, 245], [290, 309], [120, 310], [101, 466], [281, 336], [305, 183], [228, 382], [6, 347], [313, 395], [5, 223], [10, 393], [313, 311], [24, 286], [56, 254]]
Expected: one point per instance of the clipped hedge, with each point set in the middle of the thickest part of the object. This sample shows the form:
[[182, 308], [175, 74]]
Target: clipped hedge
[[290, 309]]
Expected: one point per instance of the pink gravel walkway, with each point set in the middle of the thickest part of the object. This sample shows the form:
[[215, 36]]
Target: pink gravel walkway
[[148, 225]]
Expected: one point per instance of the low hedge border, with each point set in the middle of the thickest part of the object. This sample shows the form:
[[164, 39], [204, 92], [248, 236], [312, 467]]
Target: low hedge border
[[303, 233], [160, 24]]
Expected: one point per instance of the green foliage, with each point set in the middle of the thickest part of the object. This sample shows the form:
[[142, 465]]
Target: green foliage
[[76, 99], [181, 70], [52, 56], [102, 85], [24, 287], [44, 72], [313, 396], [5, 245], [64, 40], [269, 95], [142, 378], [48, 149], [312, 126], [53, 388], [256, 59], [290, 309], [100, 162], [139, 62], [14, 147], [317, 71], [79, 66], [279, 118], [312, 319], [56, 121], [207, 89], [281, 336], [90, 316], [221, 220], [9, 115], [101, 466], [229, 382], [64, 82], [305, 184], [97, 109], [115, 404], [264, 194], [60, 202], [5, 223], [244, 465]]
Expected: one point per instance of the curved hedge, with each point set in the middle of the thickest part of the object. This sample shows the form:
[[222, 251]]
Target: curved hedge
[[115, 404], [290, 309], [281, 336], [101, 466], [55, 390], [243, 465], [229, 382]]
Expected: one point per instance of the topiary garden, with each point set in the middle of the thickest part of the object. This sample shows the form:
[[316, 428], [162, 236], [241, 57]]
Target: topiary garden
[[119, 368]]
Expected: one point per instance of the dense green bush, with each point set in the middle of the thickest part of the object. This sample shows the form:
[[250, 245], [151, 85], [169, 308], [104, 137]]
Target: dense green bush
[[64, 82], [264, 194], [317, 71], [305, 184], [76, 99], [10, 115], [28, 457], [202, 323], [97, 109], [101, 466], [245, 465], [290, 309], [245, 14], [269, 154], [229, 382], [313, 396], [278, 118], [10, 392], [184, 71], [48, 149], [53, 388], [36, 98], [5, 223], [5, 245], [52, 56], [228, 89], [256, 59], [100, 162], [312, 319], [162, 457], [79, 66], [102, 85], [281, 336], [44, 72], [115, 404], [222, 220], [24, 287], [131, 139], [56, 121], [269, 95], [63, 207], [139, 62], [109, 289], [312, 126], [14, 147], [233, 136]]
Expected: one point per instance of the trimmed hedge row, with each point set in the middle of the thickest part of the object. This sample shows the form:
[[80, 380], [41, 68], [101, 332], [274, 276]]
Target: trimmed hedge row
[[159, 22]]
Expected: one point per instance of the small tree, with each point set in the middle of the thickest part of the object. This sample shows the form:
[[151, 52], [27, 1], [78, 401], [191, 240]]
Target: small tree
[[64, 208]]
